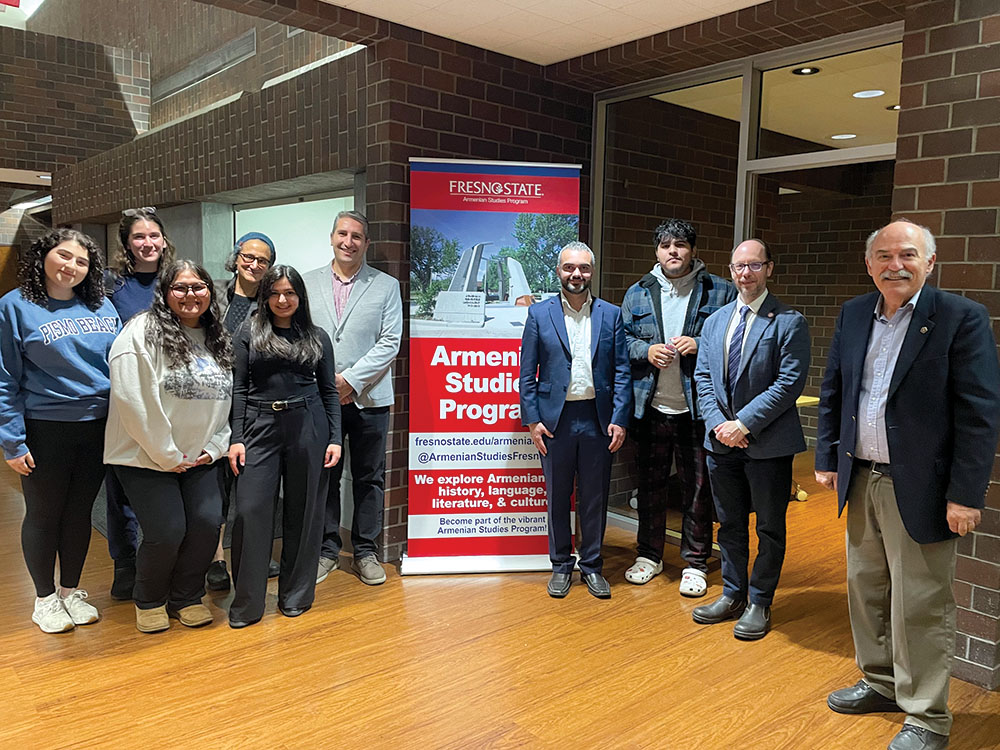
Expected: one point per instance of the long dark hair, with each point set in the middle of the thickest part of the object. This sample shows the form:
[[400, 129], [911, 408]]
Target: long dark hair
[[123, 262], [164, 329], [305, 347], [31, 269]]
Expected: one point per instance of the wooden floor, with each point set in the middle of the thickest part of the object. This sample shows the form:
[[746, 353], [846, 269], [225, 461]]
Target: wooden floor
[[456, 662]]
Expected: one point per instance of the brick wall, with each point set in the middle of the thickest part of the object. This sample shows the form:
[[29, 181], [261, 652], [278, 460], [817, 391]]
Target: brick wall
[[948, 177], [174, 34], [62, 101], [434, 97], [304, 126]]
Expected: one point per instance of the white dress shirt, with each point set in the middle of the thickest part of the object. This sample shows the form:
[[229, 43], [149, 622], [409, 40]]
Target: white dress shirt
[[581, 380]]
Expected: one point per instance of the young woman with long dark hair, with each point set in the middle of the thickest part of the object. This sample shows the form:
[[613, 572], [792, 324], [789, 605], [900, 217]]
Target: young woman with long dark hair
[[171, 391], [130, 283], [286, 428], [55, 332]]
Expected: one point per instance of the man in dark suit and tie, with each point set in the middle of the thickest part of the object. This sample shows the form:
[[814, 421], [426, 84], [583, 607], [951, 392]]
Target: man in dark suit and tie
[[908, 423], [752, 365], [576, 397]]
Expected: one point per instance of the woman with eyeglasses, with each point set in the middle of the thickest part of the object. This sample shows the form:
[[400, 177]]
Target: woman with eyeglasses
[[168, 424], [55, 332], [286, 428], [252, 255]]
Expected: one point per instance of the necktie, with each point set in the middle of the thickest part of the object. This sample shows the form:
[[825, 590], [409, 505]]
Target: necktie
[[736, 348]]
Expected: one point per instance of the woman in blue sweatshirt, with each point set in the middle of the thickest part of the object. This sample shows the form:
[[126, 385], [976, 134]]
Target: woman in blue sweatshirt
[[130, 282], [55, 332]]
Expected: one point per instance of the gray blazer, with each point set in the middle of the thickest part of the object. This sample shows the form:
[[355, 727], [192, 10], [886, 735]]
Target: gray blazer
[[366, 340]]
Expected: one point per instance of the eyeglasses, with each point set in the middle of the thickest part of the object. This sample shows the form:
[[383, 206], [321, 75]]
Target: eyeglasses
[[181, 290], [130, 212], [251, 259], [741, 267]]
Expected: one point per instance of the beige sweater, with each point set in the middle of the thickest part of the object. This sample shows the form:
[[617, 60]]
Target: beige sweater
[[159, 415]]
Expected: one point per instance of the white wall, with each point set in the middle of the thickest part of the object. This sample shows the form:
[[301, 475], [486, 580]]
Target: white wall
[[300, 231]]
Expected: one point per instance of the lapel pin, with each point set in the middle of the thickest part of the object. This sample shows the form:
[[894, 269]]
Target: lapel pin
[[924, 329], [770, 315]]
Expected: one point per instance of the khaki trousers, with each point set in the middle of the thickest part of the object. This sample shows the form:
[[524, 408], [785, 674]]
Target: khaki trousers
[[901, 603]]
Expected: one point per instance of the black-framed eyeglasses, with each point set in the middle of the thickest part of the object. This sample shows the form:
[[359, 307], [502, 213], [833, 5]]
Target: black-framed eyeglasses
[[251, 259], [181, 290], [756, 266], [130, 212]]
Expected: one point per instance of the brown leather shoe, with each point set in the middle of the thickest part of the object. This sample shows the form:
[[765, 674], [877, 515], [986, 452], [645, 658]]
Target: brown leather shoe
[[194, 615], [151, 620]]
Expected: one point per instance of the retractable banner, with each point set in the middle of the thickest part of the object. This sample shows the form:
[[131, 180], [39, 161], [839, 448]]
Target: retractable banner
[[484, 243]]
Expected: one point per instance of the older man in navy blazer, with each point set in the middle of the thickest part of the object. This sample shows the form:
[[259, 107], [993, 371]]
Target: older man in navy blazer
[[752, 365], [576, 398], [908, 422]]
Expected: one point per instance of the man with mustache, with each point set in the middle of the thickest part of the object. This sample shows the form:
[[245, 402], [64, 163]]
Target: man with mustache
[[576, 398], [908, 423]]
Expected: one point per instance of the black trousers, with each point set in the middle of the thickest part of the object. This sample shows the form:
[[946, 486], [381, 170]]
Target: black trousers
[[180, 516], [741, 485], [58, 497], [287, 446], [365, 432]]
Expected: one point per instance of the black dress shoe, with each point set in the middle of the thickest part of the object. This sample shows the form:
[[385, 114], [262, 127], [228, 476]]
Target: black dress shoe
[[559, 585], [753, 623], [722, 609], [912, 737], [292, 611], [217, 577], [597, 585], [124, 581], [861, 699], [273, 569], [237, 624]]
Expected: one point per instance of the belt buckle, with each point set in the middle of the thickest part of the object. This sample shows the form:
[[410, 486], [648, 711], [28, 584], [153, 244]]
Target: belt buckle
[[279, 405], [874, 468]]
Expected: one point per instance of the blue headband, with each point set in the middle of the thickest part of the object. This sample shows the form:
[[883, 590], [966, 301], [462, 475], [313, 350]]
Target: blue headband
[[256, 236]]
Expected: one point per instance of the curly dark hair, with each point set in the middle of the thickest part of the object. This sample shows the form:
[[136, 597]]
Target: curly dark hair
[[164, 329], [31, 269], [677, 229], [123, 262], [306, 349]]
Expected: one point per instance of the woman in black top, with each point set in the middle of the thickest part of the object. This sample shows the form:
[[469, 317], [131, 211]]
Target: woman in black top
[[252, 255], [286, 426]]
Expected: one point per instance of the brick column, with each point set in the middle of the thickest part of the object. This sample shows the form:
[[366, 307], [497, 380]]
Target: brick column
[[948, 177]]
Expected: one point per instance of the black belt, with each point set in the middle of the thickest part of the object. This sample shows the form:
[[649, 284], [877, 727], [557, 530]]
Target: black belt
[[873, 466], [292, 403]]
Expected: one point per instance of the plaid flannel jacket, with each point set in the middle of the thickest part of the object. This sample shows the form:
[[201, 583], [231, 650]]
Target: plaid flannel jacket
[[641, 313]]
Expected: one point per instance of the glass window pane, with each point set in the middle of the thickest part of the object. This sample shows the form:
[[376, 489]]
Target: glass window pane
[[846, 102]]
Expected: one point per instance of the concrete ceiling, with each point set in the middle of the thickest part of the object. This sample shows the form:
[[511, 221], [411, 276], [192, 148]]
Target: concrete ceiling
[[544, 31]]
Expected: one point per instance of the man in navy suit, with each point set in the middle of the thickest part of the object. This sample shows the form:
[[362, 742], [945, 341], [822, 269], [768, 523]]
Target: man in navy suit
[[576, 397], [752, 365], [908, 423]]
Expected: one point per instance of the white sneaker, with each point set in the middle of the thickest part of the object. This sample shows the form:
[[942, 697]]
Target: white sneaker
[[51, 616], [79, 611]]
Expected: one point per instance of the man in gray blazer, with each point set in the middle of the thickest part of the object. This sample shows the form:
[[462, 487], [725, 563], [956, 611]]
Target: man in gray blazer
[[752, 365], [362, 311]]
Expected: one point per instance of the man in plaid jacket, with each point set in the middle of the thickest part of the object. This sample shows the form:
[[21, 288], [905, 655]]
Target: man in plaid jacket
[[663, 315]]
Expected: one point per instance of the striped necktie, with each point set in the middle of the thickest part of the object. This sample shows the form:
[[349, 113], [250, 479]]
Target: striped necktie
[[736, 348]]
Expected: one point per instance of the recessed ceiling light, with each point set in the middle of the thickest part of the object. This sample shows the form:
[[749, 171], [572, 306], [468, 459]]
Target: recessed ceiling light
[[806, 71], [894, 108], [842, 137], [868, 94]]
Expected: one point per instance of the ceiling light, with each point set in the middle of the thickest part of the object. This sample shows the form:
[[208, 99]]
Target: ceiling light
[[894, 108], [842, 137], [44, 177], [868, 94], [32, 204], [808, 70]]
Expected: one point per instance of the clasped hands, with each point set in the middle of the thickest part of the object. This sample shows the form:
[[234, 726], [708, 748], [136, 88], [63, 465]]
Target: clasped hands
[[539, 431]]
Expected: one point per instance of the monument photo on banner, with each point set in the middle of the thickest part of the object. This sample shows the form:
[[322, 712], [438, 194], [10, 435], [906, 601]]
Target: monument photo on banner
[[484, 243]]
